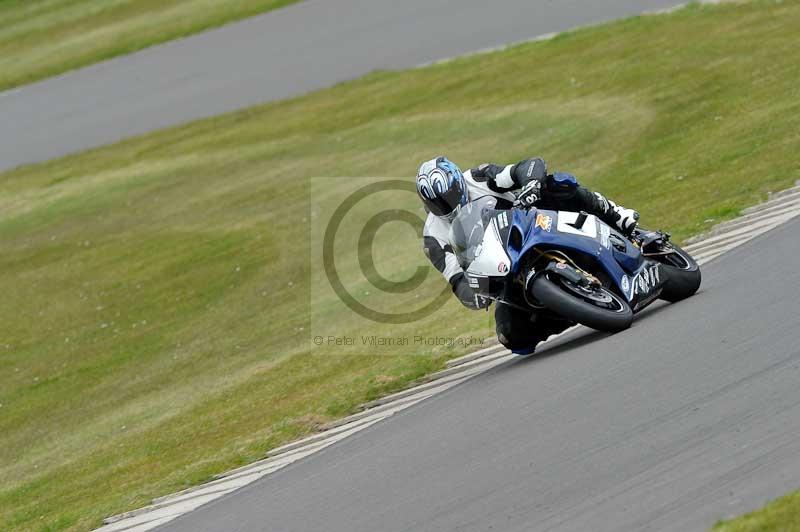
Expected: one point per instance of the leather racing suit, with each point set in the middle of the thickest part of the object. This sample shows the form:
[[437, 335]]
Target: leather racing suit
[[517, 330]]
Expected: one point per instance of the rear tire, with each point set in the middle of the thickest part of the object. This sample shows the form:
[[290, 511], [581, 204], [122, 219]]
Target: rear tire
[[566, 301]]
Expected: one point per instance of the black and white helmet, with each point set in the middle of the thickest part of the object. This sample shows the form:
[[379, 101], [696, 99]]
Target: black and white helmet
[[442, 188]]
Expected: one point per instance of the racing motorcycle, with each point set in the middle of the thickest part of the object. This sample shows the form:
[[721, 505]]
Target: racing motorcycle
[[571, 263]]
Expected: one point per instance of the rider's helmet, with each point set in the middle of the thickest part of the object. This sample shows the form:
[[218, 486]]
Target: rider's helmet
[[442, 188]]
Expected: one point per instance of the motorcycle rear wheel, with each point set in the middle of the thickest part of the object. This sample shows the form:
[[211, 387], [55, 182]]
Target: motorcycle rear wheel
[[598, 308]]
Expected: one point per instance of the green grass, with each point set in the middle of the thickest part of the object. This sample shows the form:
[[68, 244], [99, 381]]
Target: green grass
[[782, 515], [42, 38], [156, 316]]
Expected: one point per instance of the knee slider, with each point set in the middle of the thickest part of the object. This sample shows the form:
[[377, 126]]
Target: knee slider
[[509, 341], [504, 334]]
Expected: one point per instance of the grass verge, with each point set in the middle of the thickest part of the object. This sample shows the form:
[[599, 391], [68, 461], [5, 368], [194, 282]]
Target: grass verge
[[48, 37], [781, 515], [157, 293]]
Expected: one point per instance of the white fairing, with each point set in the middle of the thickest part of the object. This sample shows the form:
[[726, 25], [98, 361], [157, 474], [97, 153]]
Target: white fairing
[[440, 229], [589, 229], [492, 260]]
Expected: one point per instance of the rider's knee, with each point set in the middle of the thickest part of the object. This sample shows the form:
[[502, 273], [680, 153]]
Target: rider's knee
[[513, 340], [517, 345], [505, 340]]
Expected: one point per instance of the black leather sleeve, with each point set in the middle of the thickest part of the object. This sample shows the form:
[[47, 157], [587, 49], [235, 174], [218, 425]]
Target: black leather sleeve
[[528, 170], [464, 293], [434, 252], [521, 173], [597, 204]]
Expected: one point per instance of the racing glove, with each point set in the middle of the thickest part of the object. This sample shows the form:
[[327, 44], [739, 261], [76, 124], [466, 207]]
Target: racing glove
[[628, 218], [529, 194], [466, 295]]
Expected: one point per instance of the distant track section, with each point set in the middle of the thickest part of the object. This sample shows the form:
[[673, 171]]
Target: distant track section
[[279, 54]]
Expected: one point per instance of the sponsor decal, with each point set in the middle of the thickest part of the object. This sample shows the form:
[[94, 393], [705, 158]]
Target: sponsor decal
[[625, 284], [502, 267], [646, 280], [561, 266], [532, 164], [544, 222], [605, 234], [502, 220]]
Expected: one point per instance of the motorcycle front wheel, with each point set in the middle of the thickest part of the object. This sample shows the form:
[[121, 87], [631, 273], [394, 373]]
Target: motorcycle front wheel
[[595, 307]]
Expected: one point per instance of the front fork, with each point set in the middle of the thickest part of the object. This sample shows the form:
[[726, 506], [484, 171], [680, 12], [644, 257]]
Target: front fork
[[560, 267]]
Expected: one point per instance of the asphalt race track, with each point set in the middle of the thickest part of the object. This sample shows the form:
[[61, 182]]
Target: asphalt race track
[[690, 416], [277, 55]]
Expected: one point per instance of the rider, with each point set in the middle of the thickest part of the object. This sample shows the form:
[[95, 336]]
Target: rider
[[443, 188]]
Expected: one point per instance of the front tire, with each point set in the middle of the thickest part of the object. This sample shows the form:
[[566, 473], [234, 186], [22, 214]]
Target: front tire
[[598, 308]]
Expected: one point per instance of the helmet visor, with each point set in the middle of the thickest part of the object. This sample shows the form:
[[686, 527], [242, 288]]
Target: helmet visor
[[445, 202]]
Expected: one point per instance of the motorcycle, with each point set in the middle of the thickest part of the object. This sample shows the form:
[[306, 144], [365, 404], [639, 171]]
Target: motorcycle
[[571, 263]]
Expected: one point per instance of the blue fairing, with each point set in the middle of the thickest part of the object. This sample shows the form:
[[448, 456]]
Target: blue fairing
[[621, 267]]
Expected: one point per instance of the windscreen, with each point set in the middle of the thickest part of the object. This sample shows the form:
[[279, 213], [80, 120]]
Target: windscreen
[[466, 231]]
